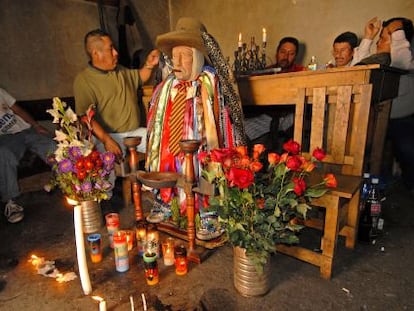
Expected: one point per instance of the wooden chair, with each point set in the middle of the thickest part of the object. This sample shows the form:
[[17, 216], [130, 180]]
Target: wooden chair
[[335, 119]]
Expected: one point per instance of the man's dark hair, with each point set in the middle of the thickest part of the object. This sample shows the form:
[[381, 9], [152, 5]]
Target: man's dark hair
[[349, 37], [95, 33], [292, 40], [407, 26], [91, 36]]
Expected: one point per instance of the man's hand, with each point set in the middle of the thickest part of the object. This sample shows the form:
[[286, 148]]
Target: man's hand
[[112, 146], [372, 28], [153, 58]]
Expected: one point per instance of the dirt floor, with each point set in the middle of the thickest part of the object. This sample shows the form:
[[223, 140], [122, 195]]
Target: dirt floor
[[372, 277]]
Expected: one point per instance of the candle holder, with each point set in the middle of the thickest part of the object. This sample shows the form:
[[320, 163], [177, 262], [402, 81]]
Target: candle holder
[[131, 143], [189, 147], [249, 60]]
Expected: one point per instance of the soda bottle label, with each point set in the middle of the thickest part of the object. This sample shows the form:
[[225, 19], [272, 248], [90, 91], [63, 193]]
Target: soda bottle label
[[375, 208]]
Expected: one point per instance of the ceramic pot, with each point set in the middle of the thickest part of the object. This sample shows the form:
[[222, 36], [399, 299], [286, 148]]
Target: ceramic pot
[[246, 279], [91, 216]]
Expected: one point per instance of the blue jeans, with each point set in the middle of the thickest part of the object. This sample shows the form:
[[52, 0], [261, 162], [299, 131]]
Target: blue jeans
[[402, 136], [12, 149]]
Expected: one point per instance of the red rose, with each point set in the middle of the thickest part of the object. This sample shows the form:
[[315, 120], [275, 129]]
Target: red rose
[[256, 166], [330, 181], [292, 146], [245, 161], [202, 156], [219, 155], [260, 202], [259, 148], [319, 154], [240, 178], [293, 163], [242, 150], [300, 186], [273, 158]]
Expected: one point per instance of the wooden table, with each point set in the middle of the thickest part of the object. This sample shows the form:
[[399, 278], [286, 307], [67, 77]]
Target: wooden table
[[257, 91]]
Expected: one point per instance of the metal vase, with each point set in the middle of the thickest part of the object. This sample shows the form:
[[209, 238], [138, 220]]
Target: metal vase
[[91, 216], [246, 279]]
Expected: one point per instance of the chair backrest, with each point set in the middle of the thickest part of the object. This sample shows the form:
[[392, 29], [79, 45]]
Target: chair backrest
[[335, 119]]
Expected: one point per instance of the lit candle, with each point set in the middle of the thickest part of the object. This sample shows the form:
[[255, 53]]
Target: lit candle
[[264, 35], [240, 40], [102, 302], [131, 300], [80, 251]]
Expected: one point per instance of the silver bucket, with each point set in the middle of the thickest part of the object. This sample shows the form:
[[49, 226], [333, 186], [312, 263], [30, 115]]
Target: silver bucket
[[91, 216], [246, 279]]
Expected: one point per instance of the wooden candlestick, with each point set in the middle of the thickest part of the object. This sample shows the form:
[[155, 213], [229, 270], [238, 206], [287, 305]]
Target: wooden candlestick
[[131, 143], [189, 147]]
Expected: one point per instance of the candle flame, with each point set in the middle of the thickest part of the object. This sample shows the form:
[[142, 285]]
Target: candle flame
[[97, 298], [35, 261]]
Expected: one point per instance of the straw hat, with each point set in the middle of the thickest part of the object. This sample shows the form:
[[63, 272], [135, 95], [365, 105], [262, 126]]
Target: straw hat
[[187, 32]]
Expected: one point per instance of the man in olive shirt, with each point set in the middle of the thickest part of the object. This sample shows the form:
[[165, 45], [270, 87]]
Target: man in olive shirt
[[112, 89]]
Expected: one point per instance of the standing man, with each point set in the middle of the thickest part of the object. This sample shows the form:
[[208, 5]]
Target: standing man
[[18, 132], [286, 55], [397, 33], [113, 90]]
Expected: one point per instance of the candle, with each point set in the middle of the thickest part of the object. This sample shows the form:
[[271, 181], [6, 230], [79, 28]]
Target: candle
[[153, 242], [141, 234], [80, 251], [240, 40], [102, 302], [168, 252], [131, 299], [144, 302], [264, 35]]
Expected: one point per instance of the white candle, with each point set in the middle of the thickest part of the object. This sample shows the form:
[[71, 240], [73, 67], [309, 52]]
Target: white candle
[[240, 40], [102, 302], [80, 251], [264, 35], [131, 299]]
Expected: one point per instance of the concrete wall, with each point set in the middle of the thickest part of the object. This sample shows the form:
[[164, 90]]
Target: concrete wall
[[314, 22], [42, 40]]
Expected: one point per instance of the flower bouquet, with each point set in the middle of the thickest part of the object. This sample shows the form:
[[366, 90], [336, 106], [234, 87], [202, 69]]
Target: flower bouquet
[[259, 201], [79, 170]]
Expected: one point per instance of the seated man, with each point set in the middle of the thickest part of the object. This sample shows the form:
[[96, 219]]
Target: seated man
[[345, 47], [286, 53], [18, 132], [189, 104]]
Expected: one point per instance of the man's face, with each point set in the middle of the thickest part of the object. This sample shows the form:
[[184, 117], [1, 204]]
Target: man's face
[[104, 55], [182, 58], [343, 53], [384, 42], [286, 55]]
